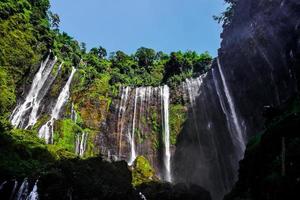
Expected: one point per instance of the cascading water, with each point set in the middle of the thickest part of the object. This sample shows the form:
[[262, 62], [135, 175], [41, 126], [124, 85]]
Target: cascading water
[[122, 110], [23, 190], [210, 135], [26, 191], [14, 189], [2, 184], [33, 194], [73, 113], [80, 146], [237, 126], [33, 115], [139, 111], [132, 133], [142, 196], [191, 89], [38, 89], [165, 93], [46, 131]]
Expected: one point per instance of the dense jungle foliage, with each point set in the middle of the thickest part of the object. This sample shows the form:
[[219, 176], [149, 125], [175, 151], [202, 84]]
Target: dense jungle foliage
[[28, 33]]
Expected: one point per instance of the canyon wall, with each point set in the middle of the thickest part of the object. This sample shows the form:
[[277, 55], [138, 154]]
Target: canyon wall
[[255, 68]]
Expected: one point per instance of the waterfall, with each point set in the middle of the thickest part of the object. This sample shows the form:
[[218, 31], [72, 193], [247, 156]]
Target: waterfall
[[213, 136], [206, 137], [131, 135], [2, 184], [121, 116], [46, 131], [142, 127], [191, 89], [165, 93], [38, 89], [142, 196], [229, 121], [234, 117], [23, 190], [33, 194], [33, 115], [73, 113], [81, 144], [14, 190]]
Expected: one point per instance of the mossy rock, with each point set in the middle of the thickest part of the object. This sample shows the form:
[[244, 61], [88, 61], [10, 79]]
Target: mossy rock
[[23, 153], [41, 121], [65, 132], [142, 171]]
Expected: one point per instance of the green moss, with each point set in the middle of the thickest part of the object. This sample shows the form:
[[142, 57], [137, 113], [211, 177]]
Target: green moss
[[155, 143], [23, 154], [154, 121], [138, 135], [178, 116], [41, 121], [7, 88], [91, 149], [21, 50], [56, 87], [65, 134], [156, 129], [142, 171], [60, 153]]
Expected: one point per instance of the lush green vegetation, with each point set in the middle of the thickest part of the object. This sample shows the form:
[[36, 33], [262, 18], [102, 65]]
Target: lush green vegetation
[[24, 39], [23, 154], [104, 75], [66, 134]]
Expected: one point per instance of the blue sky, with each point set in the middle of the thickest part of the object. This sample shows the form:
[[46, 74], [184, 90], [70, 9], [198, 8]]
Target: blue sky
[[164, 25]]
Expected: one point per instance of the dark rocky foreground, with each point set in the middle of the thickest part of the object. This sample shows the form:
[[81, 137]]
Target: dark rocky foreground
[[95, 179], [270, 169]]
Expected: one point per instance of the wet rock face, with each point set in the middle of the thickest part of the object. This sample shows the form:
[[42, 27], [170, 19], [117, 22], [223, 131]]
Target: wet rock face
[[139, 112], [259, 58], [257, 55], [142, 112]]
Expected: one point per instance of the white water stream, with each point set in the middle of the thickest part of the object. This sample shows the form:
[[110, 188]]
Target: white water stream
[[34, 97], [46, 131]]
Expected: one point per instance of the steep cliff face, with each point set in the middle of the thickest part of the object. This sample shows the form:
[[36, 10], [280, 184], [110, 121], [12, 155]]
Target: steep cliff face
[[138, 124], [256, 67]]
